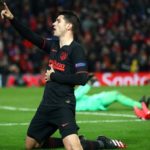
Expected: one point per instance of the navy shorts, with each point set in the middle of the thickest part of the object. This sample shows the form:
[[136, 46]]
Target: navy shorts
[[46, 122]]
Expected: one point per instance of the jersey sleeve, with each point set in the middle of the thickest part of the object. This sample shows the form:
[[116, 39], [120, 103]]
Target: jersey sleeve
[[31, 36], [79, 60], [80, 66]]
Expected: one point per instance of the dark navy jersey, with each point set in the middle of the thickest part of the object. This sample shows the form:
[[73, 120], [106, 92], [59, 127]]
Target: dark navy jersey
[[68, 62]]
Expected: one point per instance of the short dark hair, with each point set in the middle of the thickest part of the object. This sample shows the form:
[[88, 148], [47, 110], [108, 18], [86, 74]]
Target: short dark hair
[[72, 18]]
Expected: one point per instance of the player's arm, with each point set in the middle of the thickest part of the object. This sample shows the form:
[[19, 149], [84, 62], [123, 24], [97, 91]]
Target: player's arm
[[75, 79], [80, 76], [24, 31], [81, 91]]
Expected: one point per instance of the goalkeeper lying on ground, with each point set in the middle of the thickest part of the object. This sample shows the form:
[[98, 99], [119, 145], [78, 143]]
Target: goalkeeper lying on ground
[[102, 100]]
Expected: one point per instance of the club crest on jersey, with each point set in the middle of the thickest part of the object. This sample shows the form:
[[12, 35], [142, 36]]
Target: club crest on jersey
[[63, 55]]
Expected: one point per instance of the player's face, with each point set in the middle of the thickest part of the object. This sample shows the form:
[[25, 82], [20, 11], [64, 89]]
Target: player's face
[[60, 26]]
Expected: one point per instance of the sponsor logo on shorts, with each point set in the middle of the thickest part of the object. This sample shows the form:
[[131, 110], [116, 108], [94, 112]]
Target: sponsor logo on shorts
[[64, 124]]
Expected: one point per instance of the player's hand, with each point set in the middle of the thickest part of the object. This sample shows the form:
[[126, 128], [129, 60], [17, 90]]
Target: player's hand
[[48, 74], [6, 13]]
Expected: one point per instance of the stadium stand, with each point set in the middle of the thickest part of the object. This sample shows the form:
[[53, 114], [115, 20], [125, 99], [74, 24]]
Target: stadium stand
[[115, 33]]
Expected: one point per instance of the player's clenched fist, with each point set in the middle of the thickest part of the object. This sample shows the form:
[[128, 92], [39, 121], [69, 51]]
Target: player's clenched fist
[[6, 13]]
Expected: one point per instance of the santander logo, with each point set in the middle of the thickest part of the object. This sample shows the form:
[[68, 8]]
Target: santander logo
[[122, 79]]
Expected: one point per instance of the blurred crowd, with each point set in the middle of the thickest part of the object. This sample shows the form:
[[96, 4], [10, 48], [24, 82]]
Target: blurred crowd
[[114, 33]]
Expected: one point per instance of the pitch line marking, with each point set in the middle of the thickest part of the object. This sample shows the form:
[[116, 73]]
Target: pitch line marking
[[106, 114], [100, 113], [80, 122], [16, 109], [13, 124]]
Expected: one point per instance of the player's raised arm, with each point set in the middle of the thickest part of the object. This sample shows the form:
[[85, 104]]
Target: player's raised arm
[[24, 31], [6, 13]]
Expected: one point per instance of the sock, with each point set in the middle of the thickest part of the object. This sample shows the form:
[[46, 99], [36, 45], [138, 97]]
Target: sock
[[53, 142], [91, 145]]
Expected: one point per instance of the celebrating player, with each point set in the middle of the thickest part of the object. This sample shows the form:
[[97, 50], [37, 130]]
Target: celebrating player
[[67, 67]]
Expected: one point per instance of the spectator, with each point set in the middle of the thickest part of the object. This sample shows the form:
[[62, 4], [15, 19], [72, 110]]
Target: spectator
[[115, 33]]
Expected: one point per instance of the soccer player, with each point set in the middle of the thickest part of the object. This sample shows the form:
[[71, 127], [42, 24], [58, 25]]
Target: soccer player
[[67, 67], [100, 101]]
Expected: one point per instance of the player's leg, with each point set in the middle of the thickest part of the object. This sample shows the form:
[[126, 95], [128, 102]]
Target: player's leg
[[68, 128], [55, 142], [86, 144], [31, 143], [101, 143], [72, 142], [39, 130], [127, 101]]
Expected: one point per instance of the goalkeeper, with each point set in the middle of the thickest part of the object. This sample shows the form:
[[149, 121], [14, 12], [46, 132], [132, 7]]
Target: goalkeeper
[[102, 100]]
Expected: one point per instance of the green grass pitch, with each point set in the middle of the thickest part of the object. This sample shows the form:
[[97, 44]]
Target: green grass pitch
[[117, 122]]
